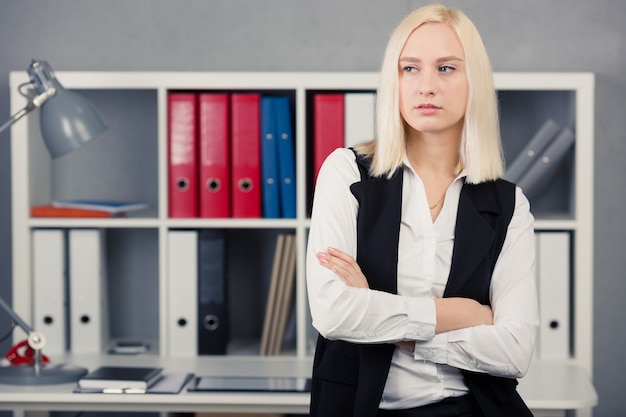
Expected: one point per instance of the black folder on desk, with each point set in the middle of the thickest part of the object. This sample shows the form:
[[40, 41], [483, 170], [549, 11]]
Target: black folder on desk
[[170, 383], [250, 384]]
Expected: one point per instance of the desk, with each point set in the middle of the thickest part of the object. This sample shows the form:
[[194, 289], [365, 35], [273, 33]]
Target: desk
[[548, 387]]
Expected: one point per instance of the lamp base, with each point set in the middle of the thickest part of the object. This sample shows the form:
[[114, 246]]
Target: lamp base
[[48, 374]]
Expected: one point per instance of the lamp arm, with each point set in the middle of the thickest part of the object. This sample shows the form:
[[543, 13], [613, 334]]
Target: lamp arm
[[17, 116], [17, 319], [36, 340], [33, 103]]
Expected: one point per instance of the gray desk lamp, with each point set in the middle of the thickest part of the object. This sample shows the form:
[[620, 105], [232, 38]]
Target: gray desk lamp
[[67, 121]]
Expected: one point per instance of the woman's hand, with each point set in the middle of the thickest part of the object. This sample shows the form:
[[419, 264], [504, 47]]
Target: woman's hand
[[455, 313], [452, 313], [344, 266], [406, 345]]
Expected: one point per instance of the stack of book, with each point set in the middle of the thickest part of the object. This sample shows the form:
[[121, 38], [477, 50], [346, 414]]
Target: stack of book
[[86, 208], [120, 379], [280, 295], [132, 380]]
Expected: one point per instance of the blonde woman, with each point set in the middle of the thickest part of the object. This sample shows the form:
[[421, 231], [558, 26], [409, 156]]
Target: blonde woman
[[420, 265]]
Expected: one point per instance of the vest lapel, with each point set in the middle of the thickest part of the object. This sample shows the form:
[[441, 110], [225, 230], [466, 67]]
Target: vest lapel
[[473, 237], [378, 228]]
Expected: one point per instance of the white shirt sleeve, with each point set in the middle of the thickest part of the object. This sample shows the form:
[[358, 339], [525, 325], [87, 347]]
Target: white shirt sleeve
[[506, 347], [343, 312]]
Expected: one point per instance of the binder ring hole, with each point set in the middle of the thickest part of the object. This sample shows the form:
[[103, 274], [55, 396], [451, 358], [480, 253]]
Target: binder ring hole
[[554, 324], [48, 320], [245, 184], [182, 184], [182, 322], [85, 319], [213, 184], [211, 322]]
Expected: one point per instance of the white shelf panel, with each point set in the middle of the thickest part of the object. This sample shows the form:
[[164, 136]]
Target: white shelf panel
[[31, 182]]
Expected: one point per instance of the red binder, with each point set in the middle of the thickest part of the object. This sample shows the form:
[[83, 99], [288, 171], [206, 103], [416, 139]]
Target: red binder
[[214, 187], [182, 155], [246, 155], [328, 127]]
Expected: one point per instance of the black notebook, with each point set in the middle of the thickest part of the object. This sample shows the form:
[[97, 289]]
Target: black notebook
[[120, 377]]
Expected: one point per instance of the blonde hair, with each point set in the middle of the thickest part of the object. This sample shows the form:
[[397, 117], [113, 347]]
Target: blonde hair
[[480, 152]]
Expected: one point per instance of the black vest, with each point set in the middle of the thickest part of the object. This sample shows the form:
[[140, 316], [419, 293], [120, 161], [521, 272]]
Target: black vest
[[348, 379]]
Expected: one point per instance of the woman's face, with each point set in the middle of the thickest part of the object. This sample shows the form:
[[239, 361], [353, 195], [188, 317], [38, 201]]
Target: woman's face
[[432, 80]]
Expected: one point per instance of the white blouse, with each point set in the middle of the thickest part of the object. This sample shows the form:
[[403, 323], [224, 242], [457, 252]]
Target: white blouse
[[431, 372]]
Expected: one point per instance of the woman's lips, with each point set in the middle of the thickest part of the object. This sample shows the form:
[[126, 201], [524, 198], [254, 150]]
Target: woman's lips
[[427, 109]]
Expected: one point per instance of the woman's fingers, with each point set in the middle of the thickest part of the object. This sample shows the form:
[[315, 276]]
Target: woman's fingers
[[344, 266], [339, 264]]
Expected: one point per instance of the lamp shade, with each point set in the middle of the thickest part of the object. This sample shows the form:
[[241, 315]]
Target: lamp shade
[[67, 120]]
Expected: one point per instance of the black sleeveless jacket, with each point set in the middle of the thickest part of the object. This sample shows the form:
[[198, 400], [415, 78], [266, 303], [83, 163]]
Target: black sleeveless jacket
[[348, 378]]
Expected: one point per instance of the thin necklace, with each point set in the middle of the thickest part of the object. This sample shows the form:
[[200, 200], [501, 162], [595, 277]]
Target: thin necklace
[[437, 203]]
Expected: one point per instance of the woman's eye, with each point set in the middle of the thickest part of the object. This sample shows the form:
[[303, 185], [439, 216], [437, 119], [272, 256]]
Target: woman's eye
[[446, 68], [409, 68]]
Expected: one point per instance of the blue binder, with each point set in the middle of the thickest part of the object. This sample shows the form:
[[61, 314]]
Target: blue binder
[[212, 293], [286, 157], [269, 164]]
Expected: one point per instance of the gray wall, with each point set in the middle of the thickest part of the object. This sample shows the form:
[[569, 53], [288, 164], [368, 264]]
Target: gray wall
[[350, 35]]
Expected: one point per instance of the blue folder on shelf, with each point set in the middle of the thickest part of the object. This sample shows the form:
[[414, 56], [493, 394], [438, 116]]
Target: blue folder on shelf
[[269, 164], [286, 157]]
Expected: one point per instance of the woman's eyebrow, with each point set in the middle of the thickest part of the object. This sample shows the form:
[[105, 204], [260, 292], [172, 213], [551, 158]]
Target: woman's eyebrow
[[448, 58]]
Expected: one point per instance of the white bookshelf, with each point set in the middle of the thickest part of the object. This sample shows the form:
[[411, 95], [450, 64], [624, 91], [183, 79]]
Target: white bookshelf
[[36, 179]]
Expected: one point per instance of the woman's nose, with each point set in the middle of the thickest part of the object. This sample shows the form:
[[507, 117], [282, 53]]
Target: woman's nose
[[426, 85]]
